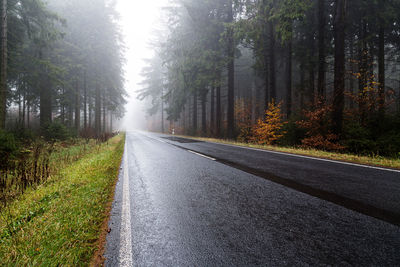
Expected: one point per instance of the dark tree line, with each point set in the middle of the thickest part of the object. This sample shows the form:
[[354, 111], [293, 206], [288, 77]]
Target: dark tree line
[[338, 56], [61, 62]]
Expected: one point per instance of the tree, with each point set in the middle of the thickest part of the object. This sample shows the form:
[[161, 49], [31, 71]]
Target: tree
[[231, 71], [338, 94], [4, 59], [321, 47], [55, 60]]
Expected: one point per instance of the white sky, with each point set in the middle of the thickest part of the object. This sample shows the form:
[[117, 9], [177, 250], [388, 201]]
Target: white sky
[[138, 18]]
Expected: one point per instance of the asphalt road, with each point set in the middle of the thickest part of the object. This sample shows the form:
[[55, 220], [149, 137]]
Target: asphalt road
[[179, 202]]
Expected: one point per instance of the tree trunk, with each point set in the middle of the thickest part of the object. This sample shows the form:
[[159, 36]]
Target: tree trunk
[[289, 81], [28, 114], [339, 80], [24, 107], [204, 113], [311, 70], [272, 77], [90, 112], [362, 69], [184, 118], [302, 84], [398, 96], [352, 71], [104, 124], [97, 115], [111, 123], [231, 74], [381, 75], [77, 107], [266, 53], [85, 102], [19, 106], [212, 111], [162, 111], [321, 48], [45, 101], [4, 61], [189, 118], [266, 80], [71, 109], [256, 102], [63, 106], [194, 120], [218, 112]]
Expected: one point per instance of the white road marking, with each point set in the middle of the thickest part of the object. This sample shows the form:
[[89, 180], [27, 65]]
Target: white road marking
[[201, 155], [307, 157], [125, 250]]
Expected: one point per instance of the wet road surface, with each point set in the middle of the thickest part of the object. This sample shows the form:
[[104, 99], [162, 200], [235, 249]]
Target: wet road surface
[[179, 202]]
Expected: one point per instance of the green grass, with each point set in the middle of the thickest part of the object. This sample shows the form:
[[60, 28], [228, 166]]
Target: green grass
[[62, 155], [366, 160], [59, 222]]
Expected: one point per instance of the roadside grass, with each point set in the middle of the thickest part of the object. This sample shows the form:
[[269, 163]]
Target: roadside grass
[[37, 163], [351, 158], [58, 223]]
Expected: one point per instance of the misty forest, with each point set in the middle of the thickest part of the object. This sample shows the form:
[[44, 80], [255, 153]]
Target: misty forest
[[60, 72], [317, 74], [199, 132], [61, 78]]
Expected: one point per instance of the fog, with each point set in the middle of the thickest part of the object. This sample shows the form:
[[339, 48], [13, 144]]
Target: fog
[[137, 21]]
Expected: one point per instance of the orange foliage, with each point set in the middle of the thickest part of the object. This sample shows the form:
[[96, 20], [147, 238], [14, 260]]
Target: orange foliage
[[268, 130], [317, 125]]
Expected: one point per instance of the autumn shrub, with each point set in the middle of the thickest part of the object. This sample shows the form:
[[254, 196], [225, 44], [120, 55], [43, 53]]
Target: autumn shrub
[[317, 124], [243, 120], [269, 129]]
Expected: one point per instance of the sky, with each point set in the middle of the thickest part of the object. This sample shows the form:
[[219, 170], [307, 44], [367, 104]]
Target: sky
[[138, 18]]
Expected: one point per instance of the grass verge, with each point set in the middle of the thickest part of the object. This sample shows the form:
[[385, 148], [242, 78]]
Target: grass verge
[[59, 222], [365, 160]]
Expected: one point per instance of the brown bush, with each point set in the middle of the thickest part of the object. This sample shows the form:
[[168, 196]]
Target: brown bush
[[318, 128]]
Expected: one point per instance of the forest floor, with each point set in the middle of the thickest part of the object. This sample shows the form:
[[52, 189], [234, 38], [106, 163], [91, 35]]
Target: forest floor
[[60, 221], [351, 158]]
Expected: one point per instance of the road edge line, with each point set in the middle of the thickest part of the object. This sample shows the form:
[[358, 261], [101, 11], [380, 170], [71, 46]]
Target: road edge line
[[125, 251]]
